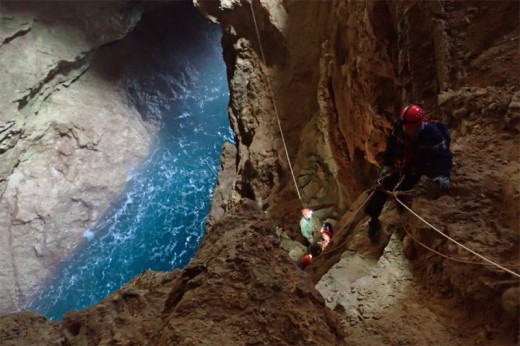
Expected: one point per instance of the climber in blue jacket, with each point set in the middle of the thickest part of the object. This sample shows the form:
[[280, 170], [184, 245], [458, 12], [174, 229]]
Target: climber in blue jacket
[[419, 147]]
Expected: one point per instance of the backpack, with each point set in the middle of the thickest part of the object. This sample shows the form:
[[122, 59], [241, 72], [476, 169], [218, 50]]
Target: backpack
[[444, 130]]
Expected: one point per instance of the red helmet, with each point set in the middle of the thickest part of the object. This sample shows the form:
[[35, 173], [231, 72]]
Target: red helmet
[[306, 260], [412, 116]]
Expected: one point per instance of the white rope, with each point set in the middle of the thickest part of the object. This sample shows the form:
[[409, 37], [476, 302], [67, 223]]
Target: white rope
[[453, 240], [274, 103]]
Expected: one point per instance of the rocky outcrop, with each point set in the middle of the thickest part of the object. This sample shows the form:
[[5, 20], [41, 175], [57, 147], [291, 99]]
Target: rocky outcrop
[[58, 146], [240, 289], [337, 106], [83, 90], [225, 180]]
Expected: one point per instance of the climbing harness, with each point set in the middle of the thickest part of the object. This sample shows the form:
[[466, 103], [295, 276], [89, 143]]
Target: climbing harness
[[273, 100]]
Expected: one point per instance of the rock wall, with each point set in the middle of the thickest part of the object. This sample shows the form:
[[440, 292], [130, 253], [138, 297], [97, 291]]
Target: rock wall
[[240, 289], [58, 146], [340, 72], [83, 90]]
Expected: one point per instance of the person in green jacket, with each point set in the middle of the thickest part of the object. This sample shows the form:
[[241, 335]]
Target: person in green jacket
[[308, 225]]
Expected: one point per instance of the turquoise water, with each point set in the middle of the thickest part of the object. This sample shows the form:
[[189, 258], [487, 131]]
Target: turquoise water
[[159, 221]]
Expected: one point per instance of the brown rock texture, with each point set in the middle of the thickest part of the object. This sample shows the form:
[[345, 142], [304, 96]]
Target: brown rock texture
[[241, 288], [336, 108], [338, 73]]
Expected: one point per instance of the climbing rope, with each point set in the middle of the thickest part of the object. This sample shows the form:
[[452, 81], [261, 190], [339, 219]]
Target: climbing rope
[[330, 250], [394, 194], [274, 103], [452, 258]]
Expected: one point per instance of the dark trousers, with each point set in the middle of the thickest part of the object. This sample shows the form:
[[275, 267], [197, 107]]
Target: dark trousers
[[375, 205]]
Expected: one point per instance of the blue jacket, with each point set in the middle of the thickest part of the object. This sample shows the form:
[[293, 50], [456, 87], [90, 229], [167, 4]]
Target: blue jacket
[[428, 154]]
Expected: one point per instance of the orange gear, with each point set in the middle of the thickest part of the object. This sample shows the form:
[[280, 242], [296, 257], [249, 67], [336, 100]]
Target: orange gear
[[306, 260]]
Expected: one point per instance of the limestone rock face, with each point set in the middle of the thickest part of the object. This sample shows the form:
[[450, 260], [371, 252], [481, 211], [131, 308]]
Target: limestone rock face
[[83, 90], [62, 161], [340, 73], [226, 177]]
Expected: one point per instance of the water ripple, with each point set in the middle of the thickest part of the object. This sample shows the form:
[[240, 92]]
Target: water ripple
[[159, 221]]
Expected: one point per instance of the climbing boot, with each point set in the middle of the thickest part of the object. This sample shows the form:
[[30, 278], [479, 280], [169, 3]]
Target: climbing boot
[[373, 229]]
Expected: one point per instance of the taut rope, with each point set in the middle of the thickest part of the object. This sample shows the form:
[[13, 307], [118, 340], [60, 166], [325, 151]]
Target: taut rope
[[274, 103]]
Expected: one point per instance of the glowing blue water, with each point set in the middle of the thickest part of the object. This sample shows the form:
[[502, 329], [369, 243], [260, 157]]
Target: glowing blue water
[[159, 221]]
